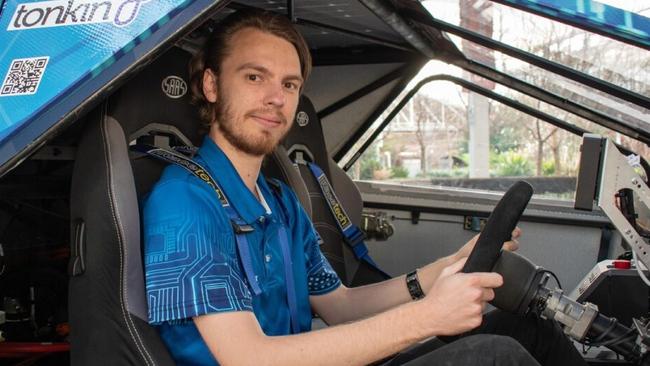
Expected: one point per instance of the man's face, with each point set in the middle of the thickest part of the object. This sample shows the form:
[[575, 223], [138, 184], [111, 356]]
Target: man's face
[[256, 91]]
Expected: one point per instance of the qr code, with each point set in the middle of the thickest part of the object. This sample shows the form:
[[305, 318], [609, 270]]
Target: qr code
[[24, 76]]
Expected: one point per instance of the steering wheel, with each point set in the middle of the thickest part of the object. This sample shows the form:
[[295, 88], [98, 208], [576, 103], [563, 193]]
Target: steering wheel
[[499, 227]]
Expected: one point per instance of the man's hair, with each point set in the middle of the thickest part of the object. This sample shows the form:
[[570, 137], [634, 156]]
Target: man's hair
[[218, 46]]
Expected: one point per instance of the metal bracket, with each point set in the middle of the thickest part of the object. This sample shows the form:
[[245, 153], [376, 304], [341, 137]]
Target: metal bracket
[[614, 175], [415, 217], [474, 223]]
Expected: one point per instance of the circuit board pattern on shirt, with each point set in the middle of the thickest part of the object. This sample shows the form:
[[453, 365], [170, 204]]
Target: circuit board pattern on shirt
[[321, 277], [24, 76], [192, 272]]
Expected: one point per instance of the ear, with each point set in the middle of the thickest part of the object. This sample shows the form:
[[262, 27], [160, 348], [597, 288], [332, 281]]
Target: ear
[[210, 85]]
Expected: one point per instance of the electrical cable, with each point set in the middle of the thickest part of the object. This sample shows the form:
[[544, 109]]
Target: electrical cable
[[557, 280], [621, 339], [599, 340]]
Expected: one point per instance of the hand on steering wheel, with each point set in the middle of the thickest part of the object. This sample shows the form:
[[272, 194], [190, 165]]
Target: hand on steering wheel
[[499, 228], [510, 245]]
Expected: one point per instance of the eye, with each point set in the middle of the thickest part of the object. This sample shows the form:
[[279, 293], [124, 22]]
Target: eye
[[291, 85], [253, 77]]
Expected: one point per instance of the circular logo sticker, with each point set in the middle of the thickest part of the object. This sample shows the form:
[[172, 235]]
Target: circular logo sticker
[[302, 118], [174, 87]]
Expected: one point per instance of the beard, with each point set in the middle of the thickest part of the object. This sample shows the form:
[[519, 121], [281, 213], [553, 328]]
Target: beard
[[256, 142]]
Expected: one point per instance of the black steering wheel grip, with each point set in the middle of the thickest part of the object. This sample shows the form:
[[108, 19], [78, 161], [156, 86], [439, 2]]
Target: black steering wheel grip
[[499, 227]]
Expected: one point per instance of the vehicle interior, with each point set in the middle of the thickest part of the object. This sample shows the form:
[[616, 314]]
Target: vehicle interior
[[421, 114]]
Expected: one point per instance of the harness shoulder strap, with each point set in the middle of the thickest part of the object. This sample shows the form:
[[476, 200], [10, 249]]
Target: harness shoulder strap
[[276, 187], [352, 235], [240, 227]]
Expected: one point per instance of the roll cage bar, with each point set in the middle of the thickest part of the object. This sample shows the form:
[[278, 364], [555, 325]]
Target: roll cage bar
[[578, 131], [424, 38], [452, 55]]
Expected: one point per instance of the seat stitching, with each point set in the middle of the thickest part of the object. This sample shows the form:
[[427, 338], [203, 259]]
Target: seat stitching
[[327, 225], [117, 222]]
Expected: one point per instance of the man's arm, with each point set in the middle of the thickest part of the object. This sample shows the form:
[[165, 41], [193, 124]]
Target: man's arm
[[236, 338], [348, 304]]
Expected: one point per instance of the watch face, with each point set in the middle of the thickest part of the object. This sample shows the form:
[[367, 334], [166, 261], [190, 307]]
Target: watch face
[[413, 285]]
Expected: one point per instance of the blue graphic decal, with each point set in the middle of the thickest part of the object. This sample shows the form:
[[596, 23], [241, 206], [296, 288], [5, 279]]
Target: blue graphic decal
[[51, 48], [596, 16]]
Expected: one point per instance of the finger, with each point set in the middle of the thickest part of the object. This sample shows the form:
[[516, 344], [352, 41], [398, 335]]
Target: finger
[[453, 268], [488, 279], [488, 294], [511, 245], [516, 233]]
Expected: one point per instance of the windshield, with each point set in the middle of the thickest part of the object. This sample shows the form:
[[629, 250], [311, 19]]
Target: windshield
[[621, 64]]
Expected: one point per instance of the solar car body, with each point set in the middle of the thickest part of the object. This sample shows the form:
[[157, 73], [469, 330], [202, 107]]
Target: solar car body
[[63, 62]]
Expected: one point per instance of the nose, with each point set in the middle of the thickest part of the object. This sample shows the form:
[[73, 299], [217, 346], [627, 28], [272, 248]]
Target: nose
[[275, 95]]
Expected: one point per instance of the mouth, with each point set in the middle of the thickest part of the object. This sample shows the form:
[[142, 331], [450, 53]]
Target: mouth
[[268, 120]]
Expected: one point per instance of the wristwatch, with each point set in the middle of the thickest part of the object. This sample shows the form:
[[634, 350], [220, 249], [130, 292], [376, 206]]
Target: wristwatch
[[413, 285]]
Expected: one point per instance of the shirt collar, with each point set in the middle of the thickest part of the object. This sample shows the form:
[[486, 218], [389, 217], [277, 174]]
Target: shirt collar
[[222, 170], [267, 209]]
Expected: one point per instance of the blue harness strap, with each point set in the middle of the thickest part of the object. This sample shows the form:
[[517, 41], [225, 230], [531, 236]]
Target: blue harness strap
[[288, 274], [240, 227], [352, 235]]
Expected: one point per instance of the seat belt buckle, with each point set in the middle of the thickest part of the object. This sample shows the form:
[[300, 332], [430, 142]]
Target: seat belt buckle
[[241, 228]]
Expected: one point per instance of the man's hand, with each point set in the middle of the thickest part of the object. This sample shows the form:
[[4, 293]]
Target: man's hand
[[511, 245], [456, 301]]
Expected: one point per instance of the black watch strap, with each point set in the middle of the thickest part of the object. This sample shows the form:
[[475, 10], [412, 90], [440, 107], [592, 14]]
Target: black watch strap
[[413, 285]]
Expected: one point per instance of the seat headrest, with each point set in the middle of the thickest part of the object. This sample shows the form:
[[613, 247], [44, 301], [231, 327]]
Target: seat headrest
[[158, 94], [306, 135]]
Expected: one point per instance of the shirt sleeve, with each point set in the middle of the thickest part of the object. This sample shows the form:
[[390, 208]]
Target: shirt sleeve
[[321, 278], [191, 266]]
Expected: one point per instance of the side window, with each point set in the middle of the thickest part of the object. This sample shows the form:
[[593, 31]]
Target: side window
[[448, 136]]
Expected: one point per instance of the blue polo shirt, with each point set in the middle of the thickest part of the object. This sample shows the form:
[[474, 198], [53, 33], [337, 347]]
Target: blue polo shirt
[[192, 265]]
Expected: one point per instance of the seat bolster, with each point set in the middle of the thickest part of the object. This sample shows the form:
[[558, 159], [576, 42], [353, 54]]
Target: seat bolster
[[127, 217], [278, 165], [107, 307]]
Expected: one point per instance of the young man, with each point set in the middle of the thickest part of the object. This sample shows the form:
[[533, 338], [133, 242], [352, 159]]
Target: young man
[[243, 294]]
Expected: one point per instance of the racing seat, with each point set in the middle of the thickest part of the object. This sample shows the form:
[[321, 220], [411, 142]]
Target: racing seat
[[304, 143], [107, 303]]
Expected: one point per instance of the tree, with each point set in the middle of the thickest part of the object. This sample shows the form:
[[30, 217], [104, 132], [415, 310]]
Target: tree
[[422, 113]]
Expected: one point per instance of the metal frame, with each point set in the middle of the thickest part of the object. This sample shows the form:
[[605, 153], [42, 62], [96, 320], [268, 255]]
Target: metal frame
[[313, 24], [357, 35], [532, 59], [473, 87], [616, 174], [291, 10], [464, 212], [408, 74], [360, 55], [360, 93], [635, 132]]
